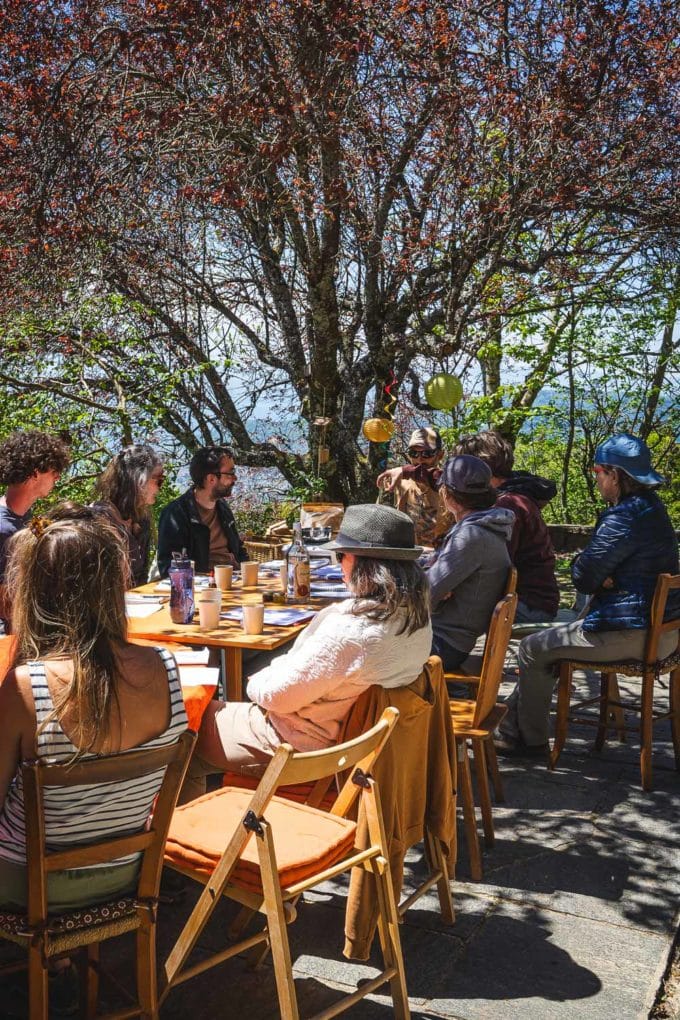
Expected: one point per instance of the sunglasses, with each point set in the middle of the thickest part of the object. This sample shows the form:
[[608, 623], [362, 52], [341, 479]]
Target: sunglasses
[[340, 556], [422, 454]]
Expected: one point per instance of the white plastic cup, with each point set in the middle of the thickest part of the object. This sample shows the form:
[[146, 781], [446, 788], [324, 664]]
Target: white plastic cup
[[249, 573], [253, 618], [209, 611], [224, 574]]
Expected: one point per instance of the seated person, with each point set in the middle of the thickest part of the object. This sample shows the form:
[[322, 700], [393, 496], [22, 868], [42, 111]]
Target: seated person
[[380, 636], [31, 464], [416, 490], [78, 689], [633, 543], [200, 520], [126, 490], [469, 573], [531, 549]]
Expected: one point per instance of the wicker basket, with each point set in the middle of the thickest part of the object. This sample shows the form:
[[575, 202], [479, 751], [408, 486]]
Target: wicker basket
[[262, 552]]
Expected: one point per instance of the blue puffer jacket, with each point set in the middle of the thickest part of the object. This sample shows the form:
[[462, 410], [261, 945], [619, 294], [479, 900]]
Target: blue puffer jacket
[[633, 543]]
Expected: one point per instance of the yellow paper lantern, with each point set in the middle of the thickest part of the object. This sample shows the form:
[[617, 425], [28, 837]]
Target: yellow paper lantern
[[443, 391], [378, 430]]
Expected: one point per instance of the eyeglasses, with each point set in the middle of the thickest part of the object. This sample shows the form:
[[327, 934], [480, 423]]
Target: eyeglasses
[[229, 474], [422, 454]]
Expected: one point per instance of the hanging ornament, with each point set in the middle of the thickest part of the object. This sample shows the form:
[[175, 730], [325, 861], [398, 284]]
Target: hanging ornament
[[443, 391], [323, 451], [378, 430]]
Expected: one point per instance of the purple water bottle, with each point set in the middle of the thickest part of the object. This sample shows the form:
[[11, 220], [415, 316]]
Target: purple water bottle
[[181, 575]]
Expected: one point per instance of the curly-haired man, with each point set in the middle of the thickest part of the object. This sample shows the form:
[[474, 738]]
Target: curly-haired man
[[30, 465]]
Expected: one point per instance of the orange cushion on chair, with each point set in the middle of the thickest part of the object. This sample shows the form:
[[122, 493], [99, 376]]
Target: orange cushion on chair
[[306, 840]]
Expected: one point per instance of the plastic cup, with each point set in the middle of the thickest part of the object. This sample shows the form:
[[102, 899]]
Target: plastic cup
[[253, 618], [249, 572], [224, 574], [209, 611]]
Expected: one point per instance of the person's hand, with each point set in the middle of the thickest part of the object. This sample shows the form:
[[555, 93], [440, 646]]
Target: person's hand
[[609, 582], [388, 479]]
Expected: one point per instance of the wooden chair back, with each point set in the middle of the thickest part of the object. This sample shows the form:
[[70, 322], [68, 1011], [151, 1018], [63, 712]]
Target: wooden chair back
[[112, 768], [511, 586], [495, 650], [310, 766], [657, 627]]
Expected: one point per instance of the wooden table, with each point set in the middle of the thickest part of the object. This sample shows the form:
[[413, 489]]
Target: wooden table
[[229, 636]]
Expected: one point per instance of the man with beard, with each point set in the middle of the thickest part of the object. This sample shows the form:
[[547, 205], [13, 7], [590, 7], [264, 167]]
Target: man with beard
[[200, 520]]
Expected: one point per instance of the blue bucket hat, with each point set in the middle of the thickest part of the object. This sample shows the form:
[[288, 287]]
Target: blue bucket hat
[[631, 455]]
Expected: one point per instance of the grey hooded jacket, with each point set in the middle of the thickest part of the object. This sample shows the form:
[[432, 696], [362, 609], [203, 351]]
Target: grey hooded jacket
[[473, 564]]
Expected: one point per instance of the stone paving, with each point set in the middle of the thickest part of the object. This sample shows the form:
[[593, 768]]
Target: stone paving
[[575, 916]]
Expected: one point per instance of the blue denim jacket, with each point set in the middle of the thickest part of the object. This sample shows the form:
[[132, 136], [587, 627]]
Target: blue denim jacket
[[633, 543]]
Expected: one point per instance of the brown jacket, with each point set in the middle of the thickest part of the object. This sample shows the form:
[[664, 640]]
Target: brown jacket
[[416, 775]]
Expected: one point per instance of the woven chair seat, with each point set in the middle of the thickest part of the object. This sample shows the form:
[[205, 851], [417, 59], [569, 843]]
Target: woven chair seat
[[15, 926], [634, 667]]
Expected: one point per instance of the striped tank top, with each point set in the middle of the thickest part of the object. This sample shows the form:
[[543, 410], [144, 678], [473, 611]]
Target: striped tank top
[[83, 814]]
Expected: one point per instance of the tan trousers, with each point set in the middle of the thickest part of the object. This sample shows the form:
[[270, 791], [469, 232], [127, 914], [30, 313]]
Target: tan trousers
[[235, 736]]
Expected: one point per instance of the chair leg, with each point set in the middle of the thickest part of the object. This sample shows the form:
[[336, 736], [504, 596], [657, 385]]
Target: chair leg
[[674, 708], [603, 719], [439, 863], [388, 913], [240, 923], [469, 817], [37, 984], [89, 980], [646, 720], [562, 713], [617, 718], [492, 768], [147, 979], [483, 791], [276, 923]]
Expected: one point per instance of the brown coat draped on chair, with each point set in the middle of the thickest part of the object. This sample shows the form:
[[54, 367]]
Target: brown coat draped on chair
[[416, 776]]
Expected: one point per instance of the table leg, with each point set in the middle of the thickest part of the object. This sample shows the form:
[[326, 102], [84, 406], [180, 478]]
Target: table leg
[[233, 673]]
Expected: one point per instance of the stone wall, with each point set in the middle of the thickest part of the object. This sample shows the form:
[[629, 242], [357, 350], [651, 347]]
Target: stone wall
[[568, 538]]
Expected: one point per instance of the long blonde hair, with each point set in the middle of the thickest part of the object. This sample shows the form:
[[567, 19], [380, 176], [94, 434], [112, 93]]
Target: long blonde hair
[[66, 582]]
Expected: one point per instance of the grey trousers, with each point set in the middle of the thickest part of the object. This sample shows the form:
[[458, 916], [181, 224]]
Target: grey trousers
[[529, 704]]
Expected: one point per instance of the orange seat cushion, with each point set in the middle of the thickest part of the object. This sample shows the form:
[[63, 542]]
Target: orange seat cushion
[[305, 840], [299, 792]]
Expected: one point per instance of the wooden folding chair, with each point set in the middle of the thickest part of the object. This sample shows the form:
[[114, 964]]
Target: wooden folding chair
[[611, 714], [296, 848], [432, 732], [472, 679], [47, 935], [475, 720]]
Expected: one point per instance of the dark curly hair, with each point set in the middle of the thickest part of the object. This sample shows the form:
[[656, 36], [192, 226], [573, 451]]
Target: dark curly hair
[[24, 453]]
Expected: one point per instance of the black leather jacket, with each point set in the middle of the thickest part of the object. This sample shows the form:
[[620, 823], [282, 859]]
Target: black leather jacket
[[180, 527]]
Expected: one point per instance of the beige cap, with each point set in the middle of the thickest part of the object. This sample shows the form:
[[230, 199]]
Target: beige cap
[[428, 438]]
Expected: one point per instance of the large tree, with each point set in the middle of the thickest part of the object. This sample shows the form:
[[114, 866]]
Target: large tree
[[314, 193]]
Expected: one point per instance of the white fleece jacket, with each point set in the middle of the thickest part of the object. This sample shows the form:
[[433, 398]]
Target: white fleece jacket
[[308, 691]]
